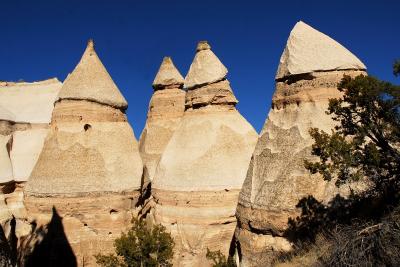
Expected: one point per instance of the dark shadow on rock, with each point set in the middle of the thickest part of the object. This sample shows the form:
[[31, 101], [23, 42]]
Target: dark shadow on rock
[[54, 248], [317, 217], [5, 250]]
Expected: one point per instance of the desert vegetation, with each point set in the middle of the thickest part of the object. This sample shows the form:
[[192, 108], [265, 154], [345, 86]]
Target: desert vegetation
[[142, 245]]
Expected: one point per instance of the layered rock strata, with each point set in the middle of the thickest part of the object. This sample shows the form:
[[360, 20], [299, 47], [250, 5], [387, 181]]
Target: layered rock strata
[[25, 113], [165, 112], [310, 69], [201, 171], [88, 177]]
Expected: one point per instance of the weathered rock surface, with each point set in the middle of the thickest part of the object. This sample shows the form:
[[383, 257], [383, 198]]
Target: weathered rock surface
[[276, 179], [91, 81], [165, 112], [28, 102], [201, 171], [306, 46], [206, 68], [25, 113], [87, 179]]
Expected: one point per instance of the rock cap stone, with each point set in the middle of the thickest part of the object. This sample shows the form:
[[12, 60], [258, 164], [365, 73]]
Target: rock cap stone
[[308, 50], [91, 81], [167, 75], [206, 68], [203, 45]]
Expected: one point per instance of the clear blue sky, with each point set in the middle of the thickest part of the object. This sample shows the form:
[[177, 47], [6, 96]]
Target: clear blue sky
[[43, 39]]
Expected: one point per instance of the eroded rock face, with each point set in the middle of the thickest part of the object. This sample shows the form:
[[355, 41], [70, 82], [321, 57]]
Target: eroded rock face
[[165, 112], [25, 113], [276, 179], [201, 171], [87, 179]]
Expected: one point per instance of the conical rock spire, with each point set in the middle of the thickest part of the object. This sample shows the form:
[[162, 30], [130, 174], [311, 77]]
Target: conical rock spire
[[91, 81], [308, 50], [90, 168], [276, 178], [206, 68], [198, 178], [167, 75], [166, 109], [206, 81]]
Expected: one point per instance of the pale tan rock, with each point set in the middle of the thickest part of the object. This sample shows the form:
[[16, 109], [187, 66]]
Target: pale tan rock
[[217, 93], [206, 68], [91, 81], [6, 115], [28, 102], [5, 214], [26, 149], [25, 113], [82, 155], [277, 179], [308, 50], [167, 75], [208, 152], [165, 112], [197, 181], [90, 169]]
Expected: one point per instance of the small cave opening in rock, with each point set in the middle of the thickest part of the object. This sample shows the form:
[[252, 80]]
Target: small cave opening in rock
[[113, 211], [87, 127]]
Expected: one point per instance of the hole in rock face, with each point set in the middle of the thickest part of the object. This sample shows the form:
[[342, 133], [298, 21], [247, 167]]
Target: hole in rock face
[[113, 211], [85, 224], [87, 127]]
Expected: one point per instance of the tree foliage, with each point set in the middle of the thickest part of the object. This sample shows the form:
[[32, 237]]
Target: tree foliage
[[366, 141], [140, 247], [219, 260], [396, 67]]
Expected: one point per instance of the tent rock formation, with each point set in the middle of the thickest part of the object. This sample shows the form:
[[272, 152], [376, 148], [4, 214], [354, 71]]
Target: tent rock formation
[[202, 169], [90, 169], [276, 179], [165, 112]]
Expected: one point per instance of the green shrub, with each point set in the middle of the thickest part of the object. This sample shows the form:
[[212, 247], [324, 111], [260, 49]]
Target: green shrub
[[141, 247], [219, 259]]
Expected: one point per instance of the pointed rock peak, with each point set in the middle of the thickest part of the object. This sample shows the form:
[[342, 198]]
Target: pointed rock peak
[[167, 75], [308, 50], [203, 45], [206, 68], [90, 44], [91, 81]]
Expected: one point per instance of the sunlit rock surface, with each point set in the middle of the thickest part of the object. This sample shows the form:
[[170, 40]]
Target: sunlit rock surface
[[311, 67], [89, 174], [25, 113], [201, 171], [166, 109]]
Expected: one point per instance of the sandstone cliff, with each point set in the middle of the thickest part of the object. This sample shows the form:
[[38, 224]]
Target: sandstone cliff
[[89, 172], [25, 113], [165, 112], [201, 171], [310, 69]]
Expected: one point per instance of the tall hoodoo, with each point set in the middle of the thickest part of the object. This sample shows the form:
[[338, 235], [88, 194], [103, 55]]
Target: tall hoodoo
[[25, 113], [202, 169], [310, 69], [90, 168], [165, 112]]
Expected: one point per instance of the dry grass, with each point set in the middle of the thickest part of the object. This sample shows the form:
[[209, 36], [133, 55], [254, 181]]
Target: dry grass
[[358, 244]]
